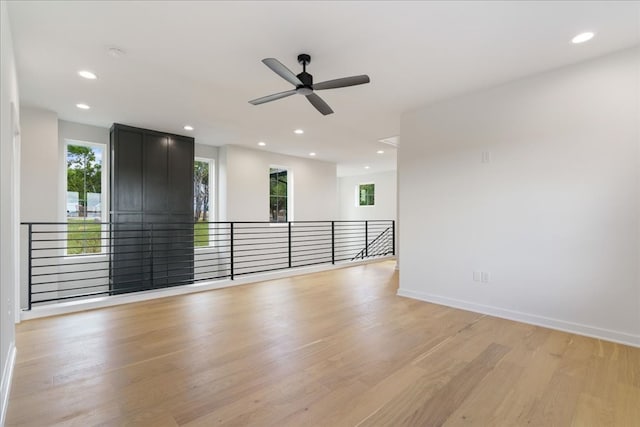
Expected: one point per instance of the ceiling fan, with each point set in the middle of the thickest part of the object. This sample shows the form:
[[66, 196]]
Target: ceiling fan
[[304, 83]]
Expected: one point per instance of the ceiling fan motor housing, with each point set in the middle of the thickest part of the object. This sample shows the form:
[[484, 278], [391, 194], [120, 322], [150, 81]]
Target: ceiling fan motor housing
[[304, 77]]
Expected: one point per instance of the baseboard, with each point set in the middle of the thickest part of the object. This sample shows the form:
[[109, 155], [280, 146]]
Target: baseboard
[[108, 301], [7, 375], [547, 322]]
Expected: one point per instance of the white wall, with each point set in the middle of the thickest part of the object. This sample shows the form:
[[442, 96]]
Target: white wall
[[245, 194], [554, 217], [207, 151], [81, 132], [9, 205], [39, 185], [43, 190], [40, 166], [385, 196], [43, 161]]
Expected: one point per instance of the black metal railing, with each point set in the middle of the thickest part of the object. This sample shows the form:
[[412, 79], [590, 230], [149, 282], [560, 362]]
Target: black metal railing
[[381, 243], [83, 259]]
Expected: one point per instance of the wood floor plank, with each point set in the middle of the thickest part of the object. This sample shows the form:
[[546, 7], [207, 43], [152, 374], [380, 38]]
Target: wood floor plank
[[592, 411], [627, 406], [336, 348], [483, 403], [356, 410], [414, 406]]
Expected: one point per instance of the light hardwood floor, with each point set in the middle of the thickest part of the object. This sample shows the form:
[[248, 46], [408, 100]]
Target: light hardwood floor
[[337, 348]]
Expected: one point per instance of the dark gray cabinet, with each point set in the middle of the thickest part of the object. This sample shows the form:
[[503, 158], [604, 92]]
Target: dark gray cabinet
[[151, 209]]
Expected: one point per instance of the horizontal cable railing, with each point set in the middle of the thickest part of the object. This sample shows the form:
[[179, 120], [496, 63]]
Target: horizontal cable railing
[[84, 259]]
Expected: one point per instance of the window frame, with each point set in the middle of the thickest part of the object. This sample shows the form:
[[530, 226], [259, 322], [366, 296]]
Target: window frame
[[289, 194], [212, 194], [104, 194], [358, 205]]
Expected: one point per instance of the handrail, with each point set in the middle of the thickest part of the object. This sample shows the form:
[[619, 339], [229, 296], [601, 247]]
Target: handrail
[[364, 250], [81, 259]]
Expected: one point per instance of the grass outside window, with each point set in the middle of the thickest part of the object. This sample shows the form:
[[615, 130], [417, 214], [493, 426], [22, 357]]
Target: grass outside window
[[84, 236], [201, 234]]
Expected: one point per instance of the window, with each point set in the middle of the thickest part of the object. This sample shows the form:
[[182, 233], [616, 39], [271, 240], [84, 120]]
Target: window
[[366, 195], [278, 191], [202, 199], [85, 199]]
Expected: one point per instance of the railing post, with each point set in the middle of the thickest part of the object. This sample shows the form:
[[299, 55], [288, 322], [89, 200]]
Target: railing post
[[231, 247], [30, 261], [366, 238], [152, 278], [393, 237], [333, 242], [289, 244]]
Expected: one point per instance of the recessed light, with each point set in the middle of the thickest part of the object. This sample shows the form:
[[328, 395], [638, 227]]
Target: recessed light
[[83, 106], [582, 37], [380, 152], [298, 131], [262, 143], [312, 154], [188, 127], [366, 167], [87, 74]]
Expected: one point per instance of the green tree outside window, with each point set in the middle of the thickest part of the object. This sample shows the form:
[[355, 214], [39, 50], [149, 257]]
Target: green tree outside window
[[366, 194]]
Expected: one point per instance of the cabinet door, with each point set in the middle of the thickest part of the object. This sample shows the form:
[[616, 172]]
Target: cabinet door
[[130, 262], [180, 175], [159, 241], [127, 173], [180, 265], [154, 169]]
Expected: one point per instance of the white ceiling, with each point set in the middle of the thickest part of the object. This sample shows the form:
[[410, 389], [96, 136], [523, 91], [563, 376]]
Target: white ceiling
[[199, 63]]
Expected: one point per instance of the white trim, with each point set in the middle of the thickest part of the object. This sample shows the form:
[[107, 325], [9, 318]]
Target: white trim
[[532, 319], [212, 185], [104, 193], [104, 181], [16, 143], [108, 301], [7, 376], [81, 258], [279, 224], [205, 250]]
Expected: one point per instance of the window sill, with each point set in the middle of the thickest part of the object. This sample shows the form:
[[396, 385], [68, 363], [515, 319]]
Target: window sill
[[205, 250], [80, 258]]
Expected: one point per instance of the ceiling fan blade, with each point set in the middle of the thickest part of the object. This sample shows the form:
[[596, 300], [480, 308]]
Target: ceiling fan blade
[[273, 97], [343, 82], [282, 71], [319, 103]]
